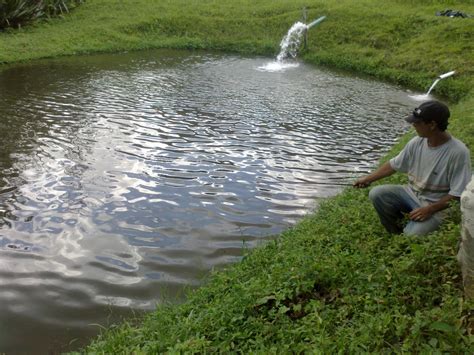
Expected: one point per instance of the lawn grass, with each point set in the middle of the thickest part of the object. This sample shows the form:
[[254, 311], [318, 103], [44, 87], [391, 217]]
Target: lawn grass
[[403, 41], [336, 282]]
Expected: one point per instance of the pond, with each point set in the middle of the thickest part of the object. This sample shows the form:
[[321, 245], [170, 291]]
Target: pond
[[125, 178]]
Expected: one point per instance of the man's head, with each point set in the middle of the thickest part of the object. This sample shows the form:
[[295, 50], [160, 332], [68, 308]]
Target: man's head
[[431, 111]]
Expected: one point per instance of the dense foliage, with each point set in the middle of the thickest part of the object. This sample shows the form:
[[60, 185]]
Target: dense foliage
[[16, 13]]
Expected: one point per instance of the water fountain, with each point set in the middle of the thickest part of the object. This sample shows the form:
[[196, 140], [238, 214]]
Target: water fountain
[[442, 76], [437, 80], [289, 46], [291, 42]]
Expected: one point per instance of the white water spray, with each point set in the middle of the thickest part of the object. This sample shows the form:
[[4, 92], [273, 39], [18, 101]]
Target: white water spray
[[442, 76], [427, 95], [289, 46], [291, 42]]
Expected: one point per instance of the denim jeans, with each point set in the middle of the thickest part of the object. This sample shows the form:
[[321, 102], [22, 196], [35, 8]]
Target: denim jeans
[[391, 203]]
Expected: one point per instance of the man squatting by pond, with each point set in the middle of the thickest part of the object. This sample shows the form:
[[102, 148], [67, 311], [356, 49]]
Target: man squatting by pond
[[438, 167]]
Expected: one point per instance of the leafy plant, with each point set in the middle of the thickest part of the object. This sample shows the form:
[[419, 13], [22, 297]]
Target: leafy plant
[[13, 13], [16, 13]]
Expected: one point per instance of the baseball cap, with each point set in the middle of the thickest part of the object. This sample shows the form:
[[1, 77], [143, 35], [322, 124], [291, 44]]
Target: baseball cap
[[429, 111]]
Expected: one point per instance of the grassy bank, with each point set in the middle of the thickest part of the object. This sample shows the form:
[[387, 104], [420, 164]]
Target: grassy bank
[[402, 41], [336, 281]]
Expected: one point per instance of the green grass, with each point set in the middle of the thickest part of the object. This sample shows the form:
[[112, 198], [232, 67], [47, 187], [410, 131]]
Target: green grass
[[336, 282], [403, 42]]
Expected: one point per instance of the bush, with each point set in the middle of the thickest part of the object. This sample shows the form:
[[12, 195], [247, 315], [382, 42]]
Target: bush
[[16, 13]]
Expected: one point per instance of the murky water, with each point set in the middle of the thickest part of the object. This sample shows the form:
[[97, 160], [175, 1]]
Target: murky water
[[125, 178]]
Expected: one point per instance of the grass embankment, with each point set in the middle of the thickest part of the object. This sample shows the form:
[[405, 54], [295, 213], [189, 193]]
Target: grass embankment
[[336, 281], [400, 40]]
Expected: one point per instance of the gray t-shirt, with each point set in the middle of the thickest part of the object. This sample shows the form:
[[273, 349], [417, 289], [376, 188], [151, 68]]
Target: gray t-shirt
[[434, 172]]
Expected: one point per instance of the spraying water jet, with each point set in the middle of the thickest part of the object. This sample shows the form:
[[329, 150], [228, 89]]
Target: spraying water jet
[[437, 80], [289, 45], [442, 76]]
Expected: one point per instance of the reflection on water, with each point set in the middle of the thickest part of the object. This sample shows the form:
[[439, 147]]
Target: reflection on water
[[126, 178]]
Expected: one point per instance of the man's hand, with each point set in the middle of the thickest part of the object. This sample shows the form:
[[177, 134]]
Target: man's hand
[[421, 214], [361, 182], [384, 171]]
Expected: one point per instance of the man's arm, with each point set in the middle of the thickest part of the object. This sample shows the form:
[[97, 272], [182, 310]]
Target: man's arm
[[384, 171], [423, 213]]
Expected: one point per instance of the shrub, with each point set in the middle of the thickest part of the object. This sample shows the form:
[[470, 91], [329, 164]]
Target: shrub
[[16, 13]]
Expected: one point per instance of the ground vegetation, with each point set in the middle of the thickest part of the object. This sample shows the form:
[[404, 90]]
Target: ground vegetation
[[18, 13]]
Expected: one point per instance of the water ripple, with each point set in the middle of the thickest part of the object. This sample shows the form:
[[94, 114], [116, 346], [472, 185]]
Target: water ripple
[[124, 176]]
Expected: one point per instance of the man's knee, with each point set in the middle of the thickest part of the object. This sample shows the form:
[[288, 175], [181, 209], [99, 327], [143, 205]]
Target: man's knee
[[377, 193], [422, 228]]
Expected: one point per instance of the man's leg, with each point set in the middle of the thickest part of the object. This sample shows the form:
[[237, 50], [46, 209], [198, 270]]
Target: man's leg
[[390, 202], [422, 228]]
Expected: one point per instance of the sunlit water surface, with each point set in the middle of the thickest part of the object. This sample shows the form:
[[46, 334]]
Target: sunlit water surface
[[125, 178]]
